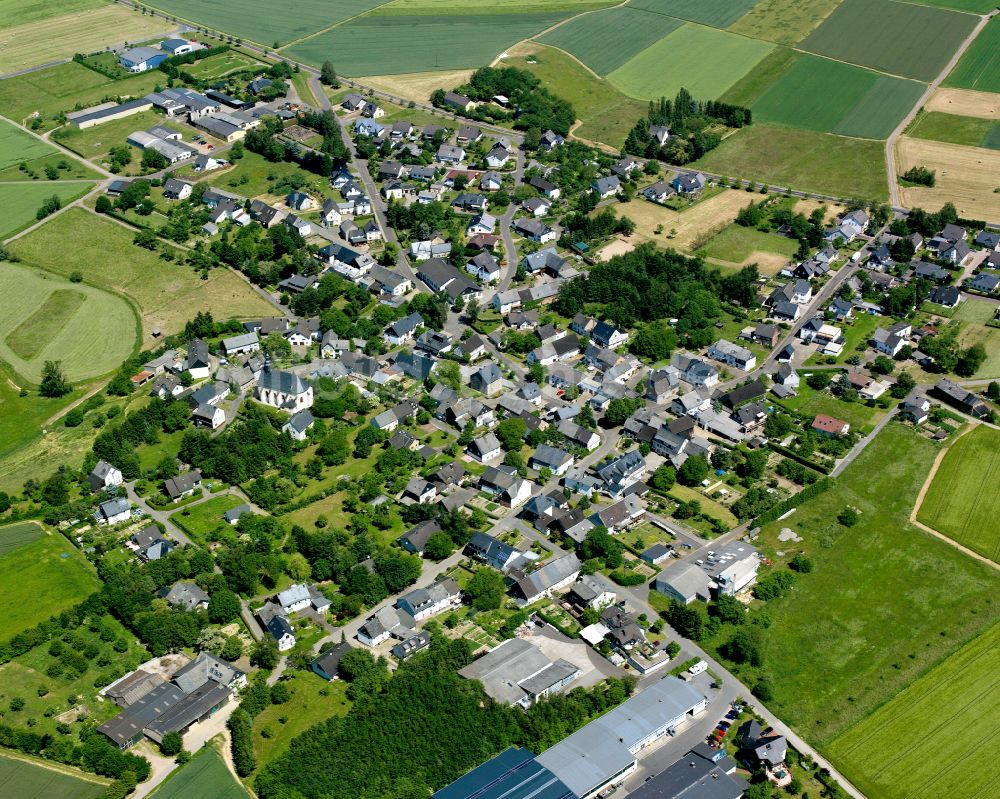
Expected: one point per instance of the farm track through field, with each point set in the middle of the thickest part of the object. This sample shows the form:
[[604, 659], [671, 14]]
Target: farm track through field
[[920, 501], [890, 142], [334, 25]]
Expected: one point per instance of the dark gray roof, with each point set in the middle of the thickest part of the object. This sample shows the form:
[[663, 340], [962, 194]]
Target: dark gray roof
[[285, 382]]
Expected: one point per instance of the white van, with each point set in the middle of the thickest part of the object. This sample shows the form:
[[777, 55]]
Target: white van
[[698, 668]]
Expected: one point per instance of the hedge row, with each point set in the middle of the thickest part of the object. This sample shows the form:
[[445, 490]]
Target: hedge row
[[782, 508]]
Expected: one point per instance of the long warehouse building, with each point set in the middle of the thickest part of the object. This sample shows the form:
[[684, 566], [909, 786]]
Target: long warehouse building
[[602, 753]]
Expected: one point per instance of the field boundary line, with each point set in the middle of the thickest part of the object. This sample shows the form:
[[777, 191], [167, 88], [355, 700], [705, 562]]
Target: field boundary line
[[920, 501], [335, 25], [623, 4], [893, 138], [58, 768]]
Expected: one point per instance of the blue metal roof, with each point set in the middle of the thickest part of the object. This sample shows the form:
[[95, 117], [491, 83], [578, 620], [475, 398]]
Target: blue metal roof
[[514, 774]]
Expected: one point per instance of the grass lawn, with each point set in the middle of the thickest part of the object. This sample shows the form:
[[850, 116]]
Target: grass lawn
[[736, 244], [313, 700], [166, 294], [857, 333], [42, 578], [802, 159], [955, 129], [708, 505], [215, 66], [891, 754], [829, 96], [204, 520], [606, 115], [884, 602], [783, 21], [65, 87], [150, 455], [204, 777], [961, 501], [386, 45], [989, 337], [27, 779], [300, 80], [979, 68], [923, 40], [974, 310], [84, 31], [252, 176], [607, 39], [666, 66], [22, 200], [45, 317], [859, 416]]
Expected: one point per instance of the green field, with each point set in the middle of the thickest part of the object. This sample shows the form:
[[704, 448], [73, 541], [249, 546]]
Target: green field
[[166, 294], [65, 87], [44, 317], [831, 97], [736, 243], [783, 21], [17, 145], [971, 6], [437, 7], [13, 536], [419, 43], [884, 602], [21, 202], [204, 520], [259, 22], [204, 777], [606, 115], [607, 39], [717, 13], [955, 129], [922, 39], [666, 66], [937, 738], [802, 159], [759, 79], [962, 501], [17, 12], [29, 780], [38, 581], [979, 68]]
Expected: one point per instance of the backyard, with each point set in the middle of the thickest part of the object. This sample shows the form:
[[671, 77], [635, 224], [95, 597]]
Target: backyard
[[204, 521]]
